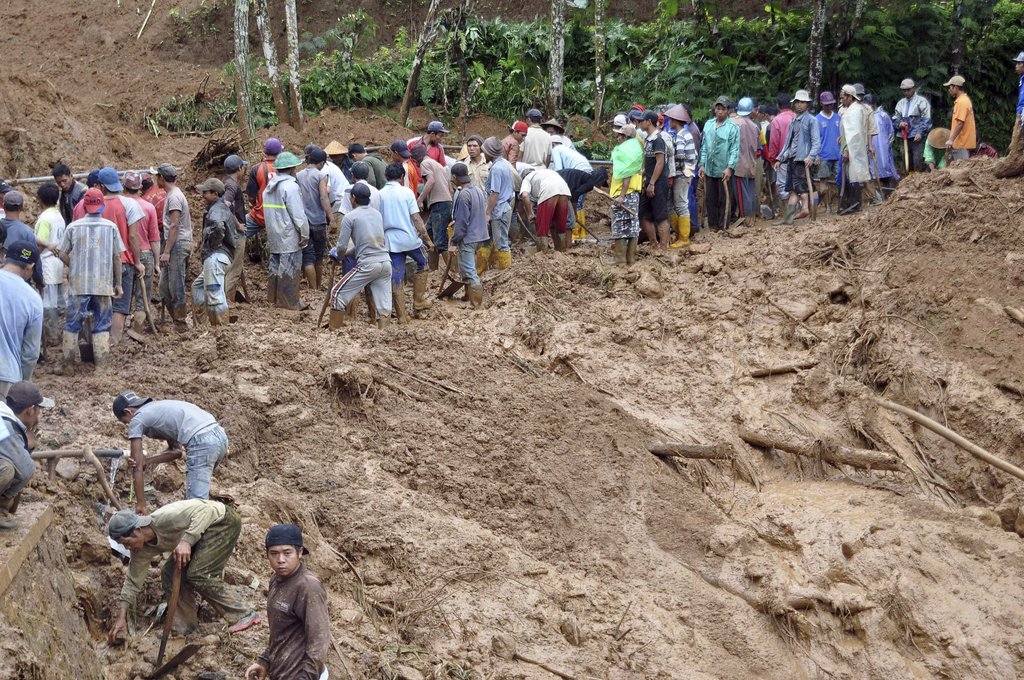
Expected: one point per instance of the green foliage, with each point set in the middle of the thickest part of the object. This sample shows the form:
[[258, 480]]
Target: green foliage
[[194, 113]]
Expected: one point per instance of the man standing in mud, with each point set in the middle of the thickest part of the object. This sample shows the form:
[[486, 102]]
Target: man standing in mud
[[300, 628]]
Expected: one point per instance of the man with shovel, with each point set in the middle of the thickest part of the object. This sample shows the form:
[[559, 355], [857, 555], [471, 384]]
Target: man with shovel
[[300, 628], [178, 423], [201, 536]]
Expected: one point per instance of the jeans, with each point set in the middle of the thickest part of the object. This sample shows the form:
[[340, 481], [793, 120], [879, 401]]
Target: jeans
[[398, 264], [437, 224], [467, 262], [172, 276], [208, 288], [781, 181], [202, 453], [99, 306], [681, 196], [149, 262], [499, 227], [252, 227]]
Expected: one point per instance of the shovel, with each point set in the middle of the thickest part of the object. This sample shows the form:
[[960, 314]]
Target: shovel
[[172, 608], [810, 194], [327, 298], [186, 653], [85, 341], [906, 152]]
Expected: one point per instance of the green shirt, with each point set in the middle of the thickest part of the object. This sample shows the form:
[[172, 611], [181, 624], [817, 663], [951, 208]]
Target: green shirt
[[721, 147], [933, 156], [173, 523]]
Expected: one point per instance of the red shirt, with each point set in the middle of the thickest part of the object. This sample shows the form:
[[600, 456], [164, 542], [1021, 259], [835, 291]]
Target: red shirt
[[435, 151], [149, 230], [156, 197], [778, 130], [113, 210]]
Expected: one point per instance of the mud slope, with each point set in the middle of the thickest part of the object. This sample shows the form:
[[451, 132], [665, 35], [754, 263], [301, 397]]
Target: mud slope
[[486, 473]]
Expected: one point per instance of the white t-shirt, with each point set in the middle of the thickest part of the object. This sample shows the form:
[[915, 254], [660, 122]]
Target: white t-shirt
[[346, 200], [50, 227], [543, 184], [338, 184]]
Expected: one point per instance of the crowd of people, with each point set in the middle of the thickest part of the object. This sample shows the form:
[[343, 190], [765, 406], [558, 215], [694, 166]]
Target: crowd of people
[[101, 251]]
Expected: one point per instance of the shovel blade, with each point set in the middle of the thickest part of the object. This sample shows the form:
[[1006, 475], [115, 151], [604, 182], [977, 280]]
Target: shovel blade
[[186, 653]]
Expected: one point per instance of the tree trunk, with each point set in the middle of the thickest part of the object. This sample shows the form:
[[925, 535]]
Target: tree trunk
[[556, 63], [426, 35], [243, 94], [599, 52], [291, 19], [817, 52], [956, 56], [465, 9], [270, 55]]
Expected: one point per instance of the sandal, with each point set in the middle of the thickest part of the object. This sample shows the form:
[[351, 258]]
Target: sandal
[[246, 622]]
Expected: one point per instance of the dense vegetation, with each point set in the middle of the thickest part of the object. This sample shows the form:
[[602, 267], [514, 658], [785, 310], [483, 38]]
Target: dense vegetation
[[666, 60]]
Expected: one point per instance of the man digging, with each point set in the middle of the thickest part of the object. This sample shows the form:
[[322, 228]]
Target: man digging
[[178, 423], [201, 536], [300, 627]]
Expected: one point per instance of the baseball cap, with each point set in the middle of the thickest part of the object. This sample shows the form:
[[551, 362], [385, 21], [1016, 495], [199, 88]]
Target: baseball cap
[[907, 84], [401, 148], [93, 202], [273, 146], [212, 184], [955, 80], [827, 97], [126, 400], [93, 178], [534, 114], [14, 199], [723, 101], [165, 170], [1020, 57], [315, 155], [23, 394], [460, 173], [132, 181], [627, 130], [848, 90], [361, 194], [859, 89], [23, 253], [437, 126], [519, 126], [5, 187], [108, 178], [282, 534], [124, 522], [233, 162], [635, 114], [356, 148]]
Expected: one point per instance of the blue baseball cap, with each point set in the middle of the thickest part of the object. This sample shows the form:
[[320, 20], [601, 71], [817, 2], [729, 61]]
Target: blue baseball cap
[[108, 178]]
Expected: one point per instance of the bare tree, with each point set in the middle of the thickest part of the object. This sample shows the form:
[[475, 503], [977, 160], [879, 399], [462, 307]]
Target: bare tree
[[291, 19], [599, 53], [556, 63], [426, 37], [270, 54], [244, 94], [956, 56], [817, 52]]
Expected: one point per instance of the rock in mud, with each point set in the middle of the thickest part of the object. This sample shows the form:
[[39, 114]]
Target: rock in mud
[[68, 469], [648, 286], [984, 515], [1008, 509]]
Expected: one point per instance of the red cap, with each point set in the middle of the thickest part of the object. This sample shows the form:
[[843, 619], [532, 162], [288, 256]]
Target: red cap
[[93, 201], [637, 107], [520, 126]]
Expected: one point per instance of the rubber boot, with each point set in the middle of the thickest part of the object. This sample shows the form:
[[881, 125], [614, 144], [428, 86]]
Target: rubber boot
[[504, 258], [101, 349], [70, 348], [631, 251], [558, 241], [272, 283], [382, 322], [578, 232], [619, 251], [475, 295], [371, 308], [288, 293], [432, 259], [790, 213], [543, 244], [483, 256], [351, 307], [420, 303], [219, 318], [337, 318], [398, 300], [682, 231]]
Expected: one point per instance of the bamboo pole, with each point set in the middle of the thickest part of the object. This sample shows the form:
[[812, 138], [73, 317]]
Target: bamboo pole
[[786, 368], [692, 451], [952, 436], [835, 454]]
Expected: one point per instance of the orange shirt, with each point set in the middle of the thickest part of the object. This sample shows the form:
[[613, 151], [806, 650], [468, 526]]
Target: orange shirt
[[963, 110]]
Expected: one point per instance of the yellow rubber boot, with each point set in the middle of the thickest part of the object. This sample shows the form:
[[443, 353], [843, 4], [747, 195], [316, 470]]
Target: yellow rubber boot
[[578, 232], [682, 227], [503, 258], [483, 257]]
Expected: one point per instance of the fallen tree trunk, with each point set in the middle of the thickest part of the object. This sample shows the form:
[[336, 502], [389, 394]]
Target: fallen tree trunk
[[695, 451], [1015, 314], [962, 442], [781, 370], [830, 453]]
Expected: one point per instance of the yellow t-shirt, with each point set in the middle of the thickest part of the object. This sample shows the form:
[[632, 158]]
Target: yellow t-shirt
[[636, 182], [964, 110]]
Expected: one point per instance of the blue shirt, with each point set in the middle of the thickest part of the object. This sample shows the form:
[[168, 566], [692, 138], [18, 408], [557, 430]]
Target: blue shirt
[[499, 181], [566, 158], [828, 130], [21, 328], [397, 206], [1020, 99]]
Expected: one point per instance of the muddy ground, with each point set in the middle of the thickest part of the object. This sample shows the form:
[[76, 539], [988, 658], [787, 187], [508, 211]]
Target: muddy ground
[[481, 474]]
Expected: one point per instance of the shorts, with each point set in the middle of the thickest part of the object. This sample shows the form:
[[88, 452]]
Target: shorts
[[79, 306], [796, 177], [208, 288], [655, 209], [123, 304], [827, 170], [318, 238]]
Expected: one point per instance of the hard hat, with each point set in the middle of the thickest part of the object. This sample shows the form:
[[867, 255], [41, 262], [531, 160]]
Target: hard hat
[[1020, 57], [745, 106]]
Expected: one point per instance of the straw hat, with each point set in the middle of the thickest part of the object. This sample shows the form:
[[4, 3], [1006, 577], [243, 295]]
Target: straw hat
[[938, 137], [336, 148]]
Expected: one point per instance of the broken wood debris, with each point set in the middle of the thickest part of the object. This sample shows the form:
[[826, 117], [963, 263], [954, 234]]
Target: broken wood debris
[[826, 451]]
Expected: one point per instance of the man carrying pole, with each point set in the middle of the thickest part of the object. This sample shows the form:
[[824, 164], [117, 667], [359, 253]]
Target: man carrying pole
[[913, 118], [803, 142]]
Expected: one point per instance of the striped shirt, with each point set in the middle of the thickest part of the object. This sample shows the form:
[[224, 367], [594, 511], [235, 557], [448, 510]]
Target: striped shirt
[[686, 151], [91, 244]]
